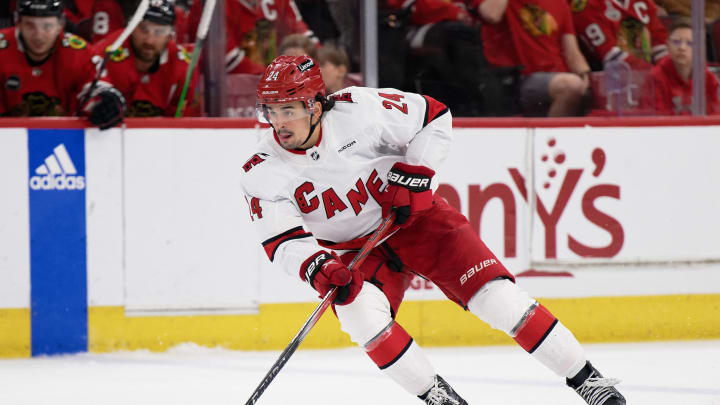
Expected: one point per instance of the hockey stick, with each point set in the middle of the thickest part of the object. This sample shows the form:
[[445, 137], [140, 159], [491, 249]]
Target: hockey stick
[[134, 21], [199, 37], [376, 237]]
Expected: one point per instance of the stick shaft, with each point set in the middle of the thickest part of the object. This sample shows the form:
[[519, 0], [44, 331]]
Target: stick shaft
[[134, 21], [199, 37], [377, 236]]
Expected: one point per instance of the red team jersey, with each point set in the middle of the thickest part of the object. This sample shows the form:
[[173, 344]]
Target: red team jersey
[[432, 11], [529, 34], [609, 29], [96, 19], [47, 89], [153, 93], [254, 29], [673, 95]]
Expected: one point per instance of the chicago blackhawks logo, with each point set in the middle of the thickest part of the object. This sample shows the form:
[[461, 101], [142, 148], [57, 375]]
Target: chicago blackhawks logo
[[74, 42], [578, 5], [119, 55], [142, 108], [537, 21], [634, 38], [37, 104], [183, 54]]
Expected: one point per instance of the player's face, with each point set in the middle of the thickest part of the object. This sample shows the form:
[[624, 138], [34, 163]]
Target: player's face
[[39, 34], [291, 122], [680, 46], [149, 40]]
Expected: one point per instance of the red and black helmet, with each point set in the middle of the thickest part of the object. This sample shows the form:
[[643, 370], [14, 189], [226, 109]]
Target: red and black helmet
[[40, 8], [291, 78], [160, 12]]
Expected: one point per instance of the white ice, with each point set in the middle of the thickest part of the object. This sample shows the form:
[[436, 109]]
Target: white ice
[[677, 373]]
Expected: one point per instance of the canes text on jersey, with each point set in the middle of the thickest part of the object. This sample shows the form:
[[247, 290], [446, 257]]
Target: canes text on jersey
[[308, 201]]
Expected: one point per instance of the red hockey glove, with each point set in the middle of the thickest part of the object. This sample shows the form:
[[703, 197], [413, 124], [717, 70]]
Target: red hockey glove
[[408, 191], [324, 270]]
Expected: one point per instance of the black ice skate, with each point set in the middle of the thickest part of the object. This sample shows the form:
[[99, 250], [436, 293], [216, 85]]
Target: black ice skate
[[442, 394], [594, 388]]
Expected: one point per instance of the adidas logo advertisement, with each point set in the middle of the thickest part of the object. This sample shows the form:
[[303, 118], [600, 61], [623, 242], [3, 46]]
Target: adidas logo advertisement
[[57, 173]]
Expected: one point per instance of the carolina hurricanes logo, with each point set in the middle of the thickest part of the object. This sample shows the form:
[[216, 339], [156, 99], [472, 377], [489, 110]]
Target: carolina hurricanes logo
[[344, 97], [537, 21]]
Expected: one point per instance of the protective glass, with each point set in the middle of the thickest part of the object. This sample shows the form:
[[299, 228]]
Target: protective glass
[[281, 113], [678, 42]]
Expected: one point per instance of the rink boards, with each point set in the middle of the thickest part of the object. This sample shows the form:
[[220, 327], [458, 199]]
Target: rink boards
[[139, 237]]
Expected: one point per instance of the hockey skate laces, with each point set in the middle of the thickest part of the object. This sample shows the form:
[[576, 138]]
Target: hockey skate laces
[[438, 395], [595, 390]]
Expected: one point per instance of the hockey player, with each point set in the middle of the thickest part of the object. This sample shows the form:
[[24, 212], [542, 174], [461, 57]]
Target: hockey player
[[46, 72], [316, 190], [94, 19], [149, 68], [254, 30]]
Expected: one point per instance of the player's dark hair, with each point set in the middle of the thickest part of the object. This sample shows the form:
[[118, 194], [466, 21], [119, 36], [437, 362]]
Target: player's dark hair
[[326, 103]]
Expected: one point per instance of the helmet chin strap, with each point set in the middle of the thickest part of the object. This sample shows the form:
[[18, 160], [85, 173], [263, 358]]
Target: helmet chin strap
[[312, 128]]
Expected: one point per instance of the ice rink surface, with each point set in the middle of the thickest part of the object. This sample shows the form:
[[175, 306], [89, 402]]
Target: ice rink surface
[[677, 373]]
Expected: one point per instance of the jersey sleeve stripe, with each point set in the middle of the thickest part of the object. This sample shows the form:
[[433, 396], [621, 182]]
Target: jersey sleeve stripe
[[271, 245], [433, 109]]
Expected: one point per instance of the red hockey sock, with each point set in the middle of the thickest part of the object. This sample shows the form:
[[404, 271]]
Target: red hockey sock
[[535, 329], [389, 345]]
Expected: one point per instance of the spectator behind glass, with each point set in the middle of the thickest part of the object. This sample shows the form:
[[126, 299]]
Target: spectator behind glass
[[672, 79], [334, 64], [681, 8], [298, 45], [613, 32], [253, 30], [539, 35], [150, 67]]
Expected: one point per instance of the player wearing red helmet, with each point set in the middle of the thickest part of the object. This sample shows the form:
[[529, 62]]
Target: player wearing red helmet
[[292, 88], [316, 190]]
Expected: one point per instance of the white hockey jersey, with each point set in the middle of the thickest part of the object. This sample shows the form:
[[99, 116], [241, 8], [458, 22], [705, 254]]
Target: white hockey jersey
[[331, 192]]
